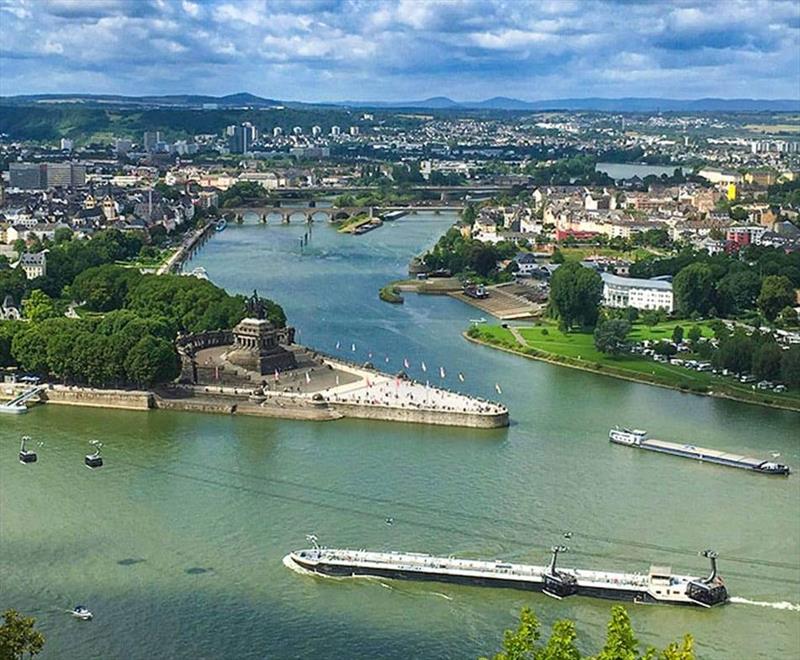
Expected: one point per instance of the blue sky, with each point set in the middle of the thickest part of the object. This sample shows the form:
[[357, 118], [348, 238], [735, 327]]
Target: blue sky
[[329, 50]]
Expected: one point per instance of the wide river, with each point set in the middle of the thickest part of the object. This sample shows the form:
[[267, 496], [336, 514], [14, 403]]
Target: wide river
[[177, 543]]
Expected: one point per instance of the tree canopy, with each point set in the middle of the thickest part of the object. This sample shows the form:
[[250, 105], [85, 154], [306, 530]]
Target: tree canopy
[[19, 637], [575, 295], [621, 643], [611, 336]]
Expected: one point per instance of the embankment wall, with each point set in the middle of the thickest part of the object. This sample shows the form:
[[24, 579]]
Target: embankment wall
[[417, 416]]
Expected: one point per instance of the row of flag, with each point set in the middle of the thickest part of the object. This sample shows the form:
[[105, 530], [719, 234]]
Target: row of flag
[[424, 367]]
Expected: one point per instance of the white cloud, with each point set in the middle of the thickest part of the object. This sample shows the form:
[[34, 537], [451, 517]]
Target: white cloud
[[334, 49]]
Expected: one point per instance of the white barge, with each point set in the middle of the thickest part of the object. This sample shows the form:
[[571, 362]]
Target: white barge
[[659, 585], [638, 438]]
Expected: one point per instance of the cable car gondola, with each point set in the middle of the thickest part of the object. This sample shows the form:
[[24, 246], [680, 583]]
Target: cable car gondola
[[94, 460], [26, 455]]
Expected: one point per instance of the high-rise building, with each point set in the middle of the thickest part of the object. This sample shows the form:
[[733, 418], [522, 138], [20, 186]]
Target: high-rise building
[[66, 144], [335, 130], [354, 130], [297, 130], [59, 175], [277, 131], [27, 176], [122, 146], [64, 175], [150, 140], [316, 131], [240, 141]]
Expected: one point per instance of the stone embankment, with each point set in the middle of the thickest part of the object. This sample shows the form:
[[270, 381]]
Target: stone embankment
[[364, 394], [85, 396], [187, 248]]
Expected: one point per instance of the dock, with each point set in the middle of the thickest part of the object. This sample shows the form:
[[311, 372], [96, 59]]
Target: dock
[[507, 302]]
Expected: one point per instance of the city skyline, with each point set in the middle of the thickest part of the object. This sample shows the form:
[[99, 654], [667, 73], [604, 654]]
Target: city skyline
[[338, 50]]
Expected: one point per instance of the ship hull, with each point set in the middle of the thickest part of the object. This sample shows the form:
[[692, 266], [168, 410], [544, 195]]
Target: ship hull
[[337, 570], [704, 456]]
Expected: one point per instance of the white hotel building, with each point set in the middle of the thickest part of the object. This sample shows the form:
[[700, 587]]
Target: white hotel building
[[638, 293]]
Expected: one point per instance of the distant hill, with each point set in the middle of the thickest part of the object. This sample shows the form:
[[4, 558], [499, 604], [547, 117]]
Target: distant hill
[[238, 100], [630, 104], [245, 99]]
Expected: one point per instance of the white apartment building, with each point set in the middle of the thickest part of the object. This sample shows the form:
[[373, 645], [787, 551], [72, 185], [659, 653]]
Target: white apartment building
[[637, 293]]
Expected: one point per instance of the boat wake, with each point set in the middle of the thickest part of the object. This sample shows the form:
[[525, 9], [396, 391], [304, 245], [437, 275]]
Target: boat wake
[[441, 595], [287, 561], [781, 605]]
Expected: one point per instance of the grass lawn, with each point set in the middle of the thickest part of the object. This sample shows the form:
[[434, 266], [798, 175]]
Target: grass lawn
[[148, 263], [577, 349], [580, 253]]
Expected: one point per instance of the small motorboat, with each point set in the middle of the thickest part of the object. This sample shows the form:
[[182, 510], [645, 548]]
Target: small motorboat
[[81, 612]]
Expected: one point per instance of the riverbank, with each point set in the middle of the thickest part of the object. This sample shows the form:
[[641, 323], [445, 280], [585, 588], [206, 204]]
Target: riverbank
[[174, 263], [364, 393], [504, 301], [586, 358]]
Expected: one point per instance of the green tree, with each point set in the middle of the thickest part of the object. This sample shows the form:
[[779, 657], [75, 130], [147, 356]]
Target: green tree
[[611, 336], [104, 288], [469, 214], [677, 334], [38, 306], [621, 644], [520, 644], [62, 235], [735, 352], [557, 257], [19, 637], [693, 287], [561, 645], [152, 361], [8, 329], [694, 334], [575, 294], [28, 349], [790, 366], [679, 651], [777, 292], [788, 317], [737, 292], [767, 361]]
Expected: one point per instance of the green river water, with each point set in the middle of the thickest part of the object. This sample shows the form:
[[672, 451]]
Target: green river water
[[177, 543]]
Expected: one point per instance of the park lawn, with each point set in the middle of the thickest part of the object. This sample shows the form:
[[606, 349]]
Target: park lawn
[[581, 253], [664, 330], [577, 349]]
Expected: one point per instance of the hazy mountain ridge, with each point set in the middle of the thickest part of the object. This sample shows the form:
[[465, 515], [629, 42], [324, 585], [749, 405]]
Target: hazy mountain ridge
[[245, 99]]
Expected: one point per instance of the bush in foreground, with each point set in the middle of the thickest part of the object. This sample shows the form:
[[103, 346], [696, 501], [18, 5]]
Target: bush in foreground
[[621, 643]]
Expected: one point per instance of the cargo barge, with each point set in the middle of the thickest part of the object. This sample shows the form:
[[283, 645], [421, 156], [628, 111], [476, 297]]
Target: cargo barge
[[638, 438], [659, 585]]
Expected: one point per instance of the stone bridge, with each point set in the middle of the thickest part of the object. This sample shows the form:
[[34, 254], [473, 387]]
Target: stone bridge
[[304, 213]]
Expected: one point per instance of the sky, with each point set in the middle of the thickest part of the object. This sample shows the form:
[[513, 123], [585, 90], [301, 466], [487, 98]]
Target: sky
[[382, 50]]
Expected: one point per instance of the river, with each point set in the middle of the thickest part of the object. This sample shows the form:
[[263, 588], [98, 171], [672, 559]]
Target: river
[[177, 543]]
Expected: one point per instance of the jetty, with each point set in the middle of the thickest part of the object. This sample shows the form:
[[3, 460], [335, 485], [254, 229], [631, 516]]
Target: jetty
[[507, 302], [19, 403]]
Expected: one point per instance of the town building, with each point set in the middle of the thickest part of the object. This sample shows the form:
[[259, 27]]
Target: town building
[[27, 176], [637, 293], [34, 264]]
